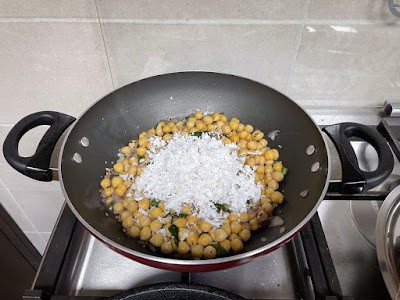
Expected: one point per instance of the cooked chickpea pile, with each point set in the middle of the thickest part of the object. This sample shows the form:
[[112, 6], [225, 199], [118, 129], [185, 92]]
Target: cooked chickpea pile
[[182, 232]]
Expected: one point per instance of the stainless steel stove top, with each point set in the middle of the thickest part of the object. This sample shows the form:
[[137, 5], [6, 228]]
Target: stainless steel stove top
[[92, 269]]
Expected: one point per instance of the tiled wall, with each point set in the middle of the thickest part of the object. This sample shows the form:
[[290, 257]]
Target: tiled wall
[[64, 55]]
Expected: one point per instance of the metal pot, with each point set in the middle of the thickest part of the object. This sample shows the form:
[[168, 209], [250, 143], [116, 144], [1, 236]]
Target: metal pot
[[96, 136]]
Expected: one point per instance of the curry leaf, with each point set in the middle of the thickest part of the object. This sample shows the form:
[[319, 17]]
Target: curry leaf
[[174, 232]]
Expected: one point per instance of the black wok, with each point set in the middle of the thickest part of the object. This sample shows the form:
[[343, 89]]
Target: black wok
[[123, 114]]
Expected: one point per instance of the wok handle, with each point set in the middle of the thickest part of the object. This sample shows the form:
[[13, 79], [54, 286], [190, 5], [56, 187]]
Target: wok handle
[[36, 166], [355, 180]]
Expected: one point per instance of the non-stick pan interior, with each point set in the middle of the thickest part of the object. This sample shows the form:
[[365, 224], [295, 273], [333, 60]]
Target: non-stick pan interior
[[123, 114]]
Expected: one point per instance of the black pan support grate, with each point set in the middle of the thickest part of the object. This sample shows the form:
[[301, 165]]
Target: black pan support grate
[[310, 258]]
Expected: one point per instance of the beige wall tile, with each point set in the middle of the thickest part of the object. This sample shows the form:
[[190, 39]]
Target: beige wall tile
[[263, 53], [41, 206], [15, 211], [347, 65], [47, 9], [208, 9], [36, 241], [10, 177], [350, 10], [58, 66]]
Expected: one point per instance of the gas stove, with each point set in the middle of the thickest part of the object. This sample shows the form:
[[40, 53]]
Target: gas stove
[[333, 257]]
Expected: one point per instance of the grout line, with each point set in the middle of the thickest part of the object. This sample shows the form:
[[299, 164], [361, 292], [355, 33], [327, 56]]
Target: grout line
[[23, 212], [298, 46], [41, 20], [104, 43], [200, 21]]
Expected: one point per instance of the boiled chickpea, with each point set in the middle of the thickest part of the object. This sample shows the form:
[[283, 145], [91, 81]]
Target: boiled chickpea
[[141, 151], [192, 238], [243, 134], [180, 222], [144, 220], [204, 239], [197, 251], [233, 217], [128, 222], [273, 184], [252, 145], [118, 207], [216, 117], [278, 176], [183, 248], [120, 190], [119, 167], [106, 182], [234, 137], [251, 162], [240, 127], [191, 219], [248, 128], [269, 155], [233, 236], [237, 245], [257, 135], [108, 191], [234, 124], [226, 129], [142, 142], [201, 126], [254, 224], [209, 252], [268, 208], [190, 124], [227, 228], [124, 214], [132, 206], [244, 217], [268, 169], [134, 231], [155, 225], [144, 204], [226, 141], [220, 235], [157, 240], [263, 142], [236, 227], [145, 233], [156, 212], [167, 137], [205, 226], [226, 244], [198, 115], [224, 118], [116, 181], [207, 120], [260, 169], [277, 197], [166, 248], [108, 201], [245, 235]]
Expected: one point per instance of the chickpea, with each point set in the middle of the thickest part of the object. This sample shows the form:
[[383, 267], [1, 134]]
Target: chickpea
[[142, 142], [116, 181], [191, 219], [216, 117], [198, 115], [209, 252], [233, 236], [119, 167], [224, 118], [118, 207], [254, 224], [201, 126], [226, 141], [251, 162], [128, 222], [144, 204], [155, 225], [141, 151], [234, 124], [240, 127], [278, 176], [242, 143], [144, 220], [145, 233], [243, 134], [183, 248], [133, 160], [245, 235], [219, 124], [226, 129], [190, 124], [120, 190], [227, 228], [226, 244], [105, 183], [157, 240], [257, 135], [248, 128], [236, 227], [167, 137], [192, 238], [205, 226], [263, 142], [108, 201], [134, 231], [108, 191], [197, 251], [269, 155], [268, 208], [204, 239], [125, 214], [268, 169], [252, 145], [273, 184], [234, 137], [166, 248], [132, 206], [180, 222], [237, 245], [233, 217], [277, 197], [260, 169], [207, 120], [220, 235], [244, 217], [156, 212], [276, 154], [278, 166]]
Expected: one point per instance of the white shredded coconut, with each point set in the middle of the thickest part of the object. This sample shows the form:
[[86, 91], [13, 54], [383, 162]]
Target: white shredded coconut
[[199, 171]]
